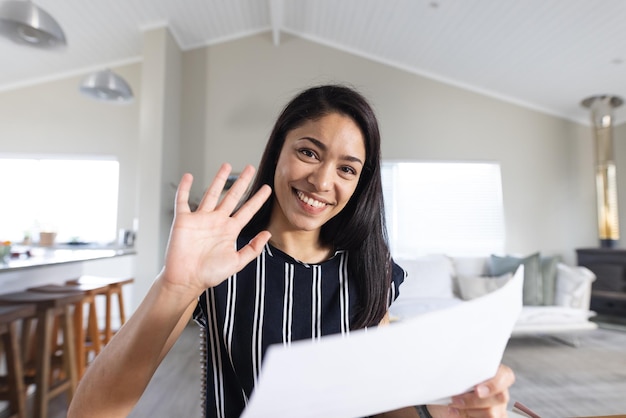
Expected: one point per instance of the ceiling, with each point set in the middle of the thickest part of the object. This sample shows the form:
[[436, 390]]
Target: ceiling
[[544, 54]]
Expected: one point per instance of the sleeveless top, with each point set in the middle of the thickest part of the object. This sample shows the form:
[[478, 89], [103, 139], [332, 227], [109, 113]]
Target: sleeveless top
[[275, 299]]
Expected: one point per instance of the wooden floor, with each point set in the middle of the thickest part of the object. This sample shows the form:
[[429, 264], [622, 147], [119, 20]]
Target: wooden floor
[[557, 380], [553, 378], [174, 391]]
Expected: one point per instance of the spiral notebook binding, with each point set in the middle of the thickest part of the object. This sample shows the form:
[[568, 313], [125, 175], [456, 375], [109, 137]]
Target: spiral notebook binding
[[203, 367]]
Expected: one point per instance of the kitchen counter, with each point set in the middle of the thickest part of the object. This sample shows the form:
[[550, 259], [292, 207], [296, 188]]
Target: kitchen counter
[[44, 256], [56, 265]]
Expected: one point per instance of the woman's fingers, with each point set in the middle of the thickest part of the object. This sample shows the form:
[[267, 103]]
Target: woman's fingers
[[248, 252], [237, 190], [214, 191], [182, 193], [252, 205], [489, 398], [211, 199], [503, 379]]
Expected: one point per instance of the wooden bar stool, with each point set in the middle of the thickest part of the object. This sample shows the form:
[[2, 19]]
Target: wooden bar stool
[[12, 386], [48, 306], [114, 288], [88, 341]]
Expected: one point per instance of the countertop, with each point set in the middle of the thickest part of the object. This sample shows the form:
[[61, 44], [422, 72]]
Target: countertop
[[45, 256]]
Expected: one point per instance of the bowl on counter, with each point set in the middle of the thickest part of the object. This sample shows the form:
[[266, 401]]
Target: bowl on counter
[[46, 239]]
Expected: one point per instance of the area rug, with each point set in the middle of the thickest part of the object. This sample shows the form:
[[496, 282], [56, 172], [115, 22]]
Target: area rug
[[560, 380]]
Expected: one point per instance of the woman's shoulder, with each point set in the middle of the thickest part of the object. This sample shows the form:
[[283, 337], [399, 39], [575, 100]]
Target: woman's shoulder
[[398, 274], [396, 268]]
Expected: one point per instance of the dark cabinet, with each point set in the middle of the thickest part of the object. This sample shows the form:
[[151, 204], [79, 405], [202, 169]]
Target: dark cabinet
[[608, 295]]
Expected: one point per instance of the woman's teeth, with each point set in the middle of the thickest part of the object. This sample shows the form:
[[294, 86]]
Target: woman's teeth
[[310, 201]]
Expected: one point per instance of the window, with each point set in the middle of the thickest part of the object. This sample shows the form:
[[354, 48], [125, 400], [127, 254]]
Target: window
[[77, 199], [443, 207]]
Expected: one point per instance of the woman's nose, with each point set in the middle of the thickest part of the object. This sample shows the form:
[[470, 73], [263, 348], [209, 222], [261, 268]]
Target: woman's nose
[[322, 177]]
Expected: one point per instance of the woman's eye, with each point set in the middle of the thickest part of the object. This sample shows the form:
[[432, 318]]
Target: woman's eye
[[307, 153], [348, 170]]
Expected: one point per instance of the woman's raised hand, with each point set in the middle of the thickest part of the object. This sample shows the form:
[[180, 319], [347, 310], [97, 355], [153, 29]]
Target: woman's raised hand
[[202, 251]]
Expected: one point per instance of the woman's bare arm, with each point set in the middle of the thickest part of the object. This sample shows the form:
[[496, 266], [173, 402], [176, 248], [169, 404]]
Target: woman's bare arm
[[201, 253], [117, 378]]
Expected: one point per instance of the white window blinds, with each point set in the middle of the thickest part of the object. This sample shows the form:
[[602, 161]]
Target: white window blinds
[[77, 199], [443, 207]]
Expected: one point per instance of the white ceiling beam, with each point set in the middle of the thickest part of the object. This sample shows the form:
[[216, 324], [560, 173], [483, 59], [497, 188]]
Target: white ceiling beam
[[276, 19]]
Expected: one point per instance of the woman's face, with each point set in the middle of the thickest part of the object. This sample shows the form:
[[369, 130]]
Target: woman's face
[[317, 172]]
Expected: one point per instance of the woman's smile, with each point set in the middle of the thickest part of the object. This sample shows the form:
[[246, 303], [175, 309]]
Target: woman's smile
[[310, 202], [317, 172]]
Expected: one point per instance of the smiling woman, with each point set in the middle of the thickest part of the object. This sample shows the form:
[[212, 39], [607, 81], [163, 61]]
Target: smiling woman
[[76, 199], [303, 256]]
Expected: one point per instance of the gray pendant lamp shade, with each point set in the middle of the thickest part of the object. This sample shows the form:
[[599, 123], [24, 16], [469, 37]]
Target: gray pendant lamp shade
[[25, 23], [107, 86]]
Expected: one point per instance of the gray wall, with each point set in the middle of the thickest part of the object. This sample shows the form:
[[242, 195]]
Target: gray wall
[[232, 92]]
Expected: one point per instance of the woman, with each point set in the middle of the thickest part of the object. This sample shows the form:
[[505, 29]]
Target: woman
[[304, 259]]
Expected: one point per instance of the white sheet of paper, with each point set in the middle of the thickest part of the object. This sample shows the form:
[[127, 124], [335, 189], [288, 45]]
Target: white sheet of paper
[[413, 362]]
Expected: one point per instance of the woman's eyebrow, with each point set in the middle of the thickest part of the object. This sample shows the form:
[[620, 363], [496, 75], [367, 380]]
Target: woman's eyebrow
[[323, 147]]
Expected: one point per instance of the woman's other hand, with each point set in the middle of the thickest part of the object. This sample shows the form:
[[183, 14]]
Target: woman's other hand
[[489, 399]]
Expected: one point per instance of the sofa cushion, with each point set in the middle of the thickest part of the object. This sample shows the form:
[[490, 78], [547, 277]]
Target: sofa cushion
[[404, 309], [548, 278], [429, 276], [472, 287], [552, 315], [551, 320], [471, 265], [572, 286], [533, 290]]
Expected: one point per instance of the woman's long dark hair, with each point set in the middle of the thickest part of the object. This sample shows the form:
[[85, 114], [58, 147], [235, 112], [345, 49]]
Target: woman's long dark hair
[[360, 227]]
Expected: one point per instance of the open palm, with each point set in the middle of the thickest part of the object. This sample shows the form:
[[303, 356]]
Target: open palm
[[202, 251]]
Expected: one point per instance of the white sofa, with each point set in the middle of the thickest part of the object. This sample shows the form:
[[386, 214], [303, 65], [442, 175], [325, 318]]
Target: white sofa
[[439, 281]]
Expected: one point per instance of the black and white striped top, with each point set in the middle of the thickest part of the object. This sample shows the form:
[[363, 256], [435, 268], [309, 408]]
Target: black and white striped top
[[273, 300]]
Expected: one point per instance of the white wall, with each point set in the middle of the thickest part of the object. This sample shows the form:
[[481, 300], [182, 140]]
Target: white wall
[[159, 135], [546, 161], [232, 92], [53, 118]]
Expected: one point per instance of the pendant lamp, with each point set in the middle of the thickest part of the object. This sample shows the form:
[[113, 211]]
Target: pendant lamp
[[107, 86], [25, 23]]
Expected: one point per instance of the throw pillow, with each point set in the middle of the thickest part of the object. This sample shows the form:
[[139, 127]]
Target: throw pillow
[[428, 276], [533, 289], [474, 287], [572, 286], [548, 277]]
